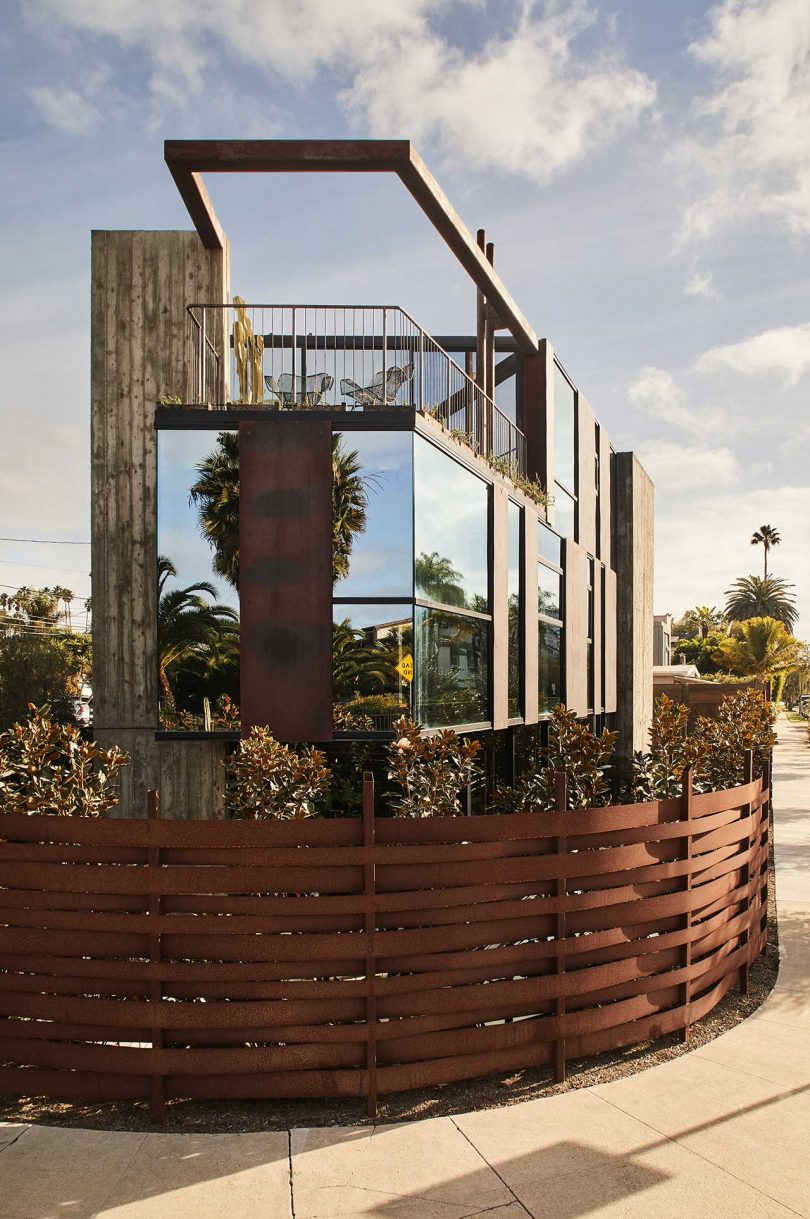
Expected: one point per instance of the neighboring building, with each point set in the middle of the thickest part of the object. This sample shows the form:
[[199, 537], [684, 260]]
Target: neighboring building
[[491, 606], [662, 639]]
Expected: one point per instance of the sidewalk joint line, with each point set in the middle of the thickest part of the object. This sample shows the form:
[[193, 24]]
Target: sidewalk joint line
[[491, 1167]]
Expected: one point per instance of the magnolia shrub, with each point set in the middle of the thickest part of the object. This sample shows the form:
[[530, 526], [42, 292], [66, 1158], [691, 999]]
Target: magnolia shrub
[[47, 767]]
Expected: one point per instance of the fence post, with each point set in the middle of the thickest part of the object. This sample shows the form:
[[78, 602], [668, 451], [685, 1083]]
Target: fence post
[[370, 927], [745, 936], [155, 985], [560, 847], [686, 990], [765, 822]]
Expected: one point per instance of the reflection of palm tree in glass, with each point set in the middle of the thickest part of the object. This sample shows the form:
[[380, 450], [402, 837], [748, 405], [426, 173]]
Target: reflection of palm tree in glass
[[359, 665], [215, 493], [438, 580], [190, 629]]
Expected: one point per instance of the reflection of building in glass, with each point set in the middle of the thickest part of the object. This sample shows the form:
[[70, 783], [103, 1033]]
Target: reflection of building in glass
[[367, 502]]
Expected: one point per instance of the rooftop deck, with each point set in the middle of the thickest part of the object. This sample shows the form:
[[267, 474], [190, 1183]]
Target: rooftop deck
[[340, 358]]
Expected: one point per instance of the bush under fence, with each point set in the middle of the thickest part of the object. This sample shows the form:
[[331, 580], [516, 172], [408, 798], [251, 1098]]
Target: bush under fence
[[151, 960]]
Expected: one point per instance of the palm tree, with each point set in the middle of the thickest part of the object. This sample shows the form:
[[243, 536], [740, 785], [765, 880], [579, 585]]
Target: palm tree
[[216, 496], [762, 648], [753, 597], [766, 536], [699, 623], [188, 625]]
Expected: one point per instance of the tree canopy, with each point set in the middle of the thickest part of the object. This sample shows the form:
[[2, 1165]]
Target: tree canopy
[[758, 597]]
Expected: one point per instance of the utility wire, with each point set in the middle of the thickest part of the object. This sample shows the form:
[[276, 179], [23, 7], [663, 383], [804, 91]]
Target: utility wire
[[45, 566], [45, 541]]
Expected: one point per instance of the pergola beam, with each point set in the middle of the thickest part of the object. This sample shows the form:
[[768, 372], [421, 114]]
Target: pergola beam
[[189, 159]]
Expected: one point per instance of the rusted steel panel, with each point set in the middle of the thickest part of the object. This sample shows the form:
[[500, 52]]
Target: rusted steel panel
[[285, 548]]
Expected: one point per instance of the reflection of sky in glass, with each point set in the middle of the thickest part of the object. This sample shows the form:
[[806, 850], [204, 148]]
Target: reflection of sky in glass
[[360, 617], [381, 563], [179, 536], [549, 591], [563, 513], [451, 519]]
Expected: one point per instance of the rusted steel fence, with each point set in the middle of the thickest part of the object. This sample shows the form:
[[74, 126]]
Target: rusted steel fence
[[153, 960]]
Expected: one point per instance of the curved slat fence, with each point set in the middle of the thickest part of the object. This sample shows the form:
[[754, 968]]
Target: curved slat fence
[[153, 960]]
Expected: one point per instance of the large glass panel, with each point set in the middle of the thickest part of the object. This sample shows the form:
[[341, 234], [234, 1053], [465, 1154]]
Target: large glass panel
[[564, 512], [451, 531], [549, 592], [373, 514], [372, 665], [549, 641], [198, 580], [452, 668], [514, 585], [564, 431], [549, 546]]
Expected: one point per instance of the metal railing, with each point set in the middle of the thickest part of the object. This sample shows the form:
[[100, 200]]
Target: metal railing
[[340, 358]]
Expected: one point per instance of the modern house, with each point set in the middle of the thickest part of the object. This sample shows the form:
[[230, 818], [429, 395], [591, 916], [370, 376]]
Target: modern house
[[462, 592]]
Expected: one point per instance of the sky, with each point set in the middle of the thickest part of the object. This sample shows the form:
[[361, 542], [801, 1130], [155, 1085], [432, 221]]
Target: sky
[[643, 169]]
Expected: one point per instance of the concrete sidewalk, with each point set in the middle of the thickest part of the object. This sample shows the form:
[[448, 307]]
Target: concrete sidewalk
[[720, 1132]]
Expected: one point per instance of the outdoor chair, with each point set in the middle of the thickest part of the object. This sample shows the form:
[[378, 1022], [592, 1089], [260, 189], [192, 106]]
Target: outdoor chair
[[373, 394], [289, 390]]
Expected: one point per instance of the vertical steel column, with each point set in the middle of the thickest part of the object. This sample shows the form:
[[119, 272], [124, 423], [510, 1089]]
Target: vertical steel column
[[686, 798], [370, 928], [560, 847], [155, 983]]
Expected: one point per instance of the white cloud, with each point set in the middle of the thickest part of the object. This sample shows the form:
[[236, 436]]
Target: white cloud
[[656, 394], [66, 109], [675, 468], [783, 352], [748, 154], [532, 100], [546, 103]]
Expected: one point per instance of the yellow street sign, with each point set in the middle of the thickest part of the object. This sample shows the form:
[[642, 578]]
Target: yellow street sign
[[405, 667]]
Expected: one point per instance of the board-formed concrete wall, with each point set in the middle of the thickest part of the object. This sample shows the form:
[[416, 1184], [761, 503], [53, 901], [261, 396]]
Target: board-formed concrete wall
[[633, 503], [141, 285]]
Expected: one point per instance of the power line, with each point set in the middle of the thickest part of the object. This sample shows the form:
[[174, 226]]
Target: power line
[[45, 541], [76, 571]]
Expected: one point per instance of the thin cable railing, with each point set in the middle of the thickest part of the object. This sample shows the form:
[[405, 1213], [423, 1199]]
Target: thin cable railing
[[339, 358]]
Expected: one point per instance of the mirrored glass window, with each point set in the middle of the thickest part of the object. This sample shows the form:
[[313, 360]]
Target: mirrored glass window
[[198, 580], [564, 431], [549, 592], [549, 641], [549, 546], [452, 668], [372, 665], [451, 531], [564, 512], [373, 514]]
